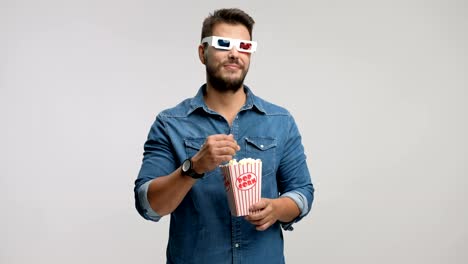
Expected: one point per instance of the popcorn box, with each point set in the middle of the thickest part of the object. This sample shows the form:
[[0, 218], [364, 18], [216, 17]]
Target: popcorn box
[[243, 184]]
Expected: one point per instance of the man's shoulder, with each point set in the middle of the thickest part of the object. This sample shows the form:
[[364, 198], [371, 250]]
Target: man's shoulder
[[271, 108], [179, 110]]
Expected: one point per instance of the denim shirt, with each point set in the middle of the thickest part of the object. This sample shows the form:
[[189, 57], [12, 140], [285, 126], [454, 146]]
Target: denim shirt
[[202, 229]]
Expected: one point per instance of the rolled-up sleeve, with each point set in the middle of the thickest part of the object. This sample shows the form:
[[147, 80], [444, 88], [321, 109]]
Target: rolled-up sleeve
[[302, 204], [158, 160], [148, 212], [294, 179]]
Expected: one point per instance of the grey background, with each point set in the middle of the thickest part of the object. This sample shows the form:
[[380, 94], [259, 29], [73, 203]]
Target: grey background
[[378, 89]]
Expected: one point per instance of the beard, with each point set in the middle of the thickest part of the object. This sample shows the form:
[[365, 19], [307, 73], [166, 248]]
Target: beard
[[222, 83]]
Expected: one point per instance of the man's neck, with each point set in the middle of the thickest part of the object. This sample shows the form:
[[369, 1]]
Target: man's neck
[[226, 103]]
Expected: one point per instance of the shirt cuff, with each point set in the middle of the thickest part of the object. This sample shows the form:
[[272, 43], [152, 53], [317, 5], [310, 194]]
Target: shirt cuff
[[148, 212], [301, 202]]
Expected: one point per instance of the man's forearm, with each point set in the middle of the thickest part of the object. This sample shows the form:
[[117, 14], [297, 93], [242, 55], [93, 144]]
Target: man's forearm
[[287, 209], [167, 192]]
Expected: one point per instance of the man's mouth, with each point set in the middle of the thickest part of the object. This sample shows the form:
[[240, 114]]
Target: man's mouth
[[231, 66]]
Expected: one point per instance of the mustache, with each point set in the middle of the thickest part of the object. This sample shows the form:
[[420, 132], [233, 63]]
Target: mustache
[[233, 61]]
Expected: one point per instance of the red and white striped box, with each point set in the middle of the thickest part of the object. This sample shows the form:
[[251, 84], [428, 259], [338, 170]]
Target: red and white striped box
[[243, 184]]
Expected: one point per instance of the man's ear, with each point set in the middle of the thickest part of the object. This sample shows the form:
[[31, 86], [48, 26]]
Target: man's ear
[[201, 53]]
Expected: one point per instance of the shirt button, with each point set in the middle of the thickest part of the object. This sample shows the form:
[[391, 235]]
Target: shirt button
[[236, 245], [261, 146]]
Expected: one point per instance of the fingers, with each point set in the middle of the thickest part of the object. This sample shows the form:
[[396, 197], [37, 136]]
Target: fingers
[[221, 141], [260, 205], [221, 146], [260, 220], [224, 150], [262, 214], [263, 223], [216, 150], [258, 210]]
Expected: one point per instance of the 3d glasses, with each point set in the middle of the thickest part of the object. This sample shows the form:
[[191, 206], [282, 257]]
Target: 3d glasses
[[222, 43]]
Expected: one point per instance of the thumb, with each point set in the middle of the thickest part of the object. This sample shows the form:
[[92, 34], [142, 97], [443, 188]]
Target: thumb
[[259, 205]]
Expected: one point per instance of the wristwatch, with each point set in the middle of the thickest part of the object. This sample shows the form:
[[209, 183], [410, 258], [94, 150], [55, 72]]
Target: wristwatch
[[187, 169]]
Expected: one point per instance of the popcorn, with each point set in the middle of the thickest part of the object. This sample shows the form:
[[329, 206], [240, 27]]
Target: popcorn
[[243, 184], [244, 161]]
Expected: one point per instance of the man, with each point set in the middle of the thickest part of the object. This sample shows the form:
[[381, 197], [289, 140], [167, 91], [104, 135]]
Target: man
[[224, 120]]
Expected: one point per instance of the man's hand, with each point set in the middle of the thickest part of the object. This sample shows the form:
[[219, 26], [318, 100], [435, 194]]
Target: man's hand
[[216, 149], [267, 211], [263, 214]]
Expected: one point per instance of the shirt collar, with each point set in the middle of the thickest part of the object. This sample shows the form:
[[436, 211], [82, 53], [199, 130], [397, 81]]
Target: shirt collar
[[252, 101]]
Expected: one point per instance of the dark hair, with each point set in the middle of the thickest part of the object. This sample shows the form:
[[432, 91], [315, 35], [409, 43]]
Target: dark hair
[[227, 15]]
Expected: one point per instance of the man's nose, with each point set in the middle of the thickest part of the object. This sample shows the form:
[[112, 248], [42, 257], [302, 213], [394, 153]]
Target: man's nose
[[233, 53]]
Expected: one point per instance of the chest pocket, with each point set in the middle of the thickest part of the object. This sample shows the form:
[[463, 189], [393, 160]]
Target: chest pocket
[[263, 148], [193, 145]]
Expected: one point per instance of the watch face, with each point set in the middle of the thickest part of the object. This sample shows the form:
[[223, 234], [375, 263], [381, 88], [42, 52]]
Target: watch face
[[186, 165]]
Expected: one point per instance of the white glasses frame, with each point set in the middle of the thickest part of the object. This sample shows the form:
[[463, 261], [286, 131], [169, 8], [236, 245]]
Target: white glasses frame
[[214, 42]]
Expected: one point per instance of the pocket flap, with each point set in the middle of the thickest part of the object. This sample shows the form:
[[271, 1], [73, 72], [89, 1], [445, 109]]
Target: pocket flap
[[195, 143], [261, 143]]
